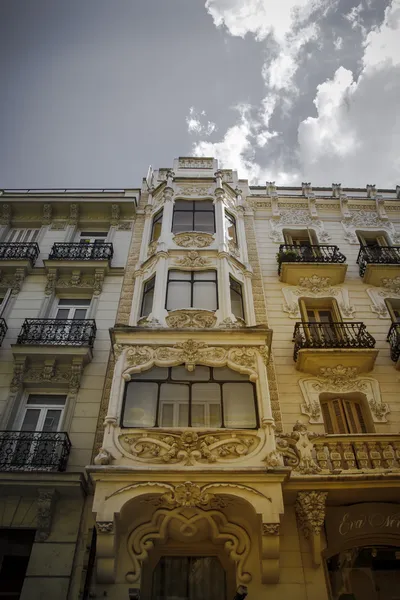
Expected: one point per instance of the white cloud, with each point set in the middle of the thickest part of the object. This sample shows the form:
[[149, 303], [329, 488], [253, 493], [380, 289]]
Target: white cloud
[[356, 134], [195, 125], [338, 43]]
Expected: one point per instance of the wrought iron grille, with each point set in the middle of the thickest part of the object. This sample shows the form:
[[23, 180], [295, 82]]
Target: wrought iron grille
[[394, 340], [309, 254], [379, 255], [331, 335], [34, 451], [95, 251], [58, 332], [3, 330], [19, 251]]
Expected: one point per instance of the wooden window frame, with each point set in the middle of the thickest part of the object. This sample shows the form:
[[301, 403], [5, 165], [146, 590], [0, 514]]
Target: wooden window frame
[[391, 309], [343, 415]]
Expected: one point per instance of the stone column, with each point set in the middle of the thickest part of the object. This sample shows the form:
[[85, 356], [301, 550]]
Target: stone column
[[241, 233], [148, 210]]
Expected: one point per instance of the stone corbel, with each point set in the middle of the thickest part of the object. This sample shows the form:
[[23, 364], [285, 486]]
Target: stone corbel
[[310, 510], [73, 214], [344, 207], [380, 207], [51, 282], [170, 178], [312, 206], [336, 190], [17, 281], [47, 214], [115, 214], [105, 551], [269, 552], [18, 375], [5, 218], [45, 510], [98, 282], [75, 376]]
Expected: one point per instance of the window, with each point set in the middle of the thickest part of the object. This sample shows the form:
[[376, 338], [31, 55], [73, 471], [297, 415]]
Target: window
[[230, 228], [181, 578], [192, 289], [193, 216], [4, 297], [343, 415], [324, 315], [148, 295], [22, 235], [72, 308], [92, 237], [371, 239], [393, 307], [236, 292], [15, 550], [156, 226], [300, 237], [175, 397]]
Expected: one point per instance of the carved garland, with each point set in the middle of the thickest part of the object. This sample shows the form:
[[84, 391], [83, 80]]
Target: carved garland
[[193, 240], [369, 220], [200, 319], [296, 218], [315, 287]]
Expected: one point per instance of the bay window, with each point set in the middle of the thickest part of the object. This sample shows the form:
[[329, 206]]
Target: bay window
[[175, 397], [192, 289], [148, 295], [192, 215]]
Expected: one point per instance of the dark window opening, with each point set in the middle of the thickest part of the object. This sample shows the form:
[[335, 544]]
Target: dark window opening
[[193, 216]]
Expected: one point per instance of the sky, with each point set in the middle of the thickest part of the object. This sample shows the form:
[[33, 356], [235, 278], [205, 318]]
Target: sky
[[92, 92]]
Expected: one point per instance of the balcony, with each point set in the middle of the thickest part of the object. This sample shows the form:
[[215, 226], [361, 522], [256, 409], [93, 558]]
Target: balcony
[[34, 451], [21, 255], [394, 340], [322, 345], [56, 338], [298, 262], [3, 330], [377, 263], [82, 252], [340, 454]]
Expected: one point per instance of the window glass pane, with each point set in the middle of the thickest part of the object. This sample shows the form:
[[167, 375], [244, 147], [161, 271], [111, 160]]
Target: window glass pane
[[140, 404], [62, 313], [205, 295], [205, 396], [74, 302], [204, 222], [183, 221], [239, 410], [236, 304], [182, 374], [156, 373], [205, 275], [180, 275], [31, 419], [148, 294], [178, 295], [204, 205], [167, 415], [52, 420], [175, 394], [46, 400], [226, 374], [183, 205], [80, 313]]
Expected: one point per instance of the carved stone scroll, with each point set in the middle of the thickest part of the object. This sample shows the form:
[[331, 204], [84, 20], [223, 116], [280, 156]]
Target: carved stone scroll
[[310, 510]]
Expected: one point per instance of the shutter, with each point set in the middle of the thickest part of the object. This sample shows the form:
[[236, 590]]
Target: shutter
[[360, 416], [339, 416], [351, 416], [326, 413]]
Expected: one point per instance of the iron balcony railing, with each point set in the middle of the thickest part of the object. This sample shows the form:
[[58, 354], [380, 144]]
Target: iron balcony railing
[[3, 330], [377, 255], [394, 340], [307, 254], [34, 451], [58, 332], [19, 251], [331, 335], [95, 251]]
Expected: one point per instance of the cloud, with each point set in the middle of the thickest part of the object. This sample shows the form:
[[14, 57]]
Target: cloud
[[356, 133], [195, 124]]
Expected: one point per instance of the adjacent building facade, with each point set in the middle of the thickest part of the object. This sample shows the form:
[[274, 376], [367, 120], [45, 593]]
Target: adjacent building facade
[[242, 436], [62, 263]]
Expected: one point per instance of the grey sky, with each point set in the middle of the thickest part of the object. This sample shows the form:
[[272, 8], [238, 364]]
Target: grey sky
[[93, 91]]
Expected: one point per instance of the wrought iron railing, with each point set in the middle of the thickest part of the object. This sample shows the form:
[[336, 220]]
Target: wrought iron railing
[[313, 254], [34, 451], [58, 332], [95, 251], [377, 255], [19, 251], [337, 453], [3, 330], [331, 335], [394, 340]]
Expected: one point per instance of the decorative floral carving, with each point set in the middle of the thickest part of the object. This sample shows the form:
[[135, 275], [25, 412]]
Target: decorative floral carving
[[152, 248], [18, 376], [314, 283], [190, 495], [295, 218], [47, 213], [391, 285], [125, 226], [98, 283], [73, 214], [45, 509], [340, 378], [193, 239], [270, 528], [233, 248], [310, 509], [103, 457], [189, 447], [196, 163], [192, 259], [367, 218], [380, 409], [75, 281], [105, 526], [58, 225], [115, 214], [297, 448], [51, 283], [138, 355], [200, 319], [5, 214], [347, 310]]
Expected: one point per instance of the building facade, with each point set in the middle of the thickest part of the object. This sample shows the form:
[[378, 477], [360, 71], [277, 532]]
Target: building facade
[[224, 465], [62, 263]]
